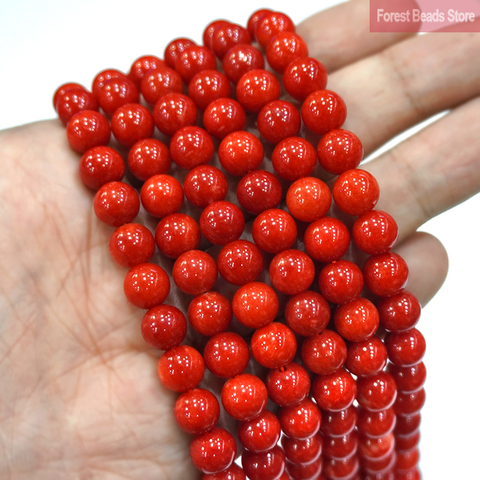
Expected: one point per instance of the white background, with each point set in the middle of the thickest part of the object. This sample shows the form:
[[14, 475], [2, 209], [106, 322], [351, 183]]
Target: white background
[[46, 43]]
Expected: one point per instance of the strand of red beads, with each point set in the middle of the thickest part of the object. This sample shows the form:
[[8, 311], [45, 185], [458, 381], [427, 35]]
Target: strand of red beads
[[290, 280]]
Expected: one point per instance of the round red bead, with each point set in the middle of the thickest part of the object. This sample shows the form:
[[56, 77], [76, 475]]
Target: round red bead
[[87, 129], [233, 472], [210, 313], [116, 203], [142, 66], [222, 222], [74, 100], [175, 48], [226, 36], [116, 92], [291, 271], [207, 86], [256, 88], [148, 157], [195, 272], [131, 244], [160, 82], [405, 348], [161, 195], [366, 357], [340, 423], [341, 281], [294, 158], [274, 230], [131, 122], [64, 88], [258, 191], [356, 320], [409, 379], [204, 185], [322, 111], [270, 25], [301, 420], [376, 392], [193, 60], [240, 152], [285, 48], [304, 76], [302, 451], [174, 111], [164, 327], [340, 446], [334, 392], [308, 199], [288, 385], [399, 312], [409, 403], [241, 59], [385, 274], [191, 146], [100, 165], [103, 77], [267, 465], [278, 120], [376, 424], [261, 433], [224, 116]]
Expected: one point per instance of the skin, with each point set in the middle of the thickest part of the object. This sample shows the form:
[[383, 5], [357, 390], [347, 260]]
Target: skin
[[80, 393]]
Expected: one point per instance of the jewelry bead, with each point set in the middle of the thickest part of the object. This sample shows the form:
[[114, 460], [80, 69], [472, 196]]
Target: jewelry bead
[[399, 312], [322, 111], [161, 195], [258, 191], [148, 157], [142, 66], [130, 123], [271, 25], [278, 120], [222, 222], [405, 348], [341, 468], [376, 424], [116, 203], [376, 392], [294, 158], [407, 442], [291, 271], [191, 146], [131, 244], [100, 165], [64, 88], [308, 199], [204, 185], [160, 82], [224, 116], [210, 30], [103, 77], [164, 327], [194, 272], [304, 76], [334, 392], [261, 433], [356, 320], [226, 36], [376, 448], [253, 20], [207, 86], [340, 281], [116, 92], [302, 451], [300, 421], [193, 60], [256, 88], [407, 424], [210, 313], [240, 59], [267, 465], [304, 472], [285, 48], [385, 274], [340, 446], [72, 101], [274, 230], [408, 379], [409, 403], [339, 423], [233, 472], [175, 48], [174, 111], [366, 357], [87, 129], [288, 385]]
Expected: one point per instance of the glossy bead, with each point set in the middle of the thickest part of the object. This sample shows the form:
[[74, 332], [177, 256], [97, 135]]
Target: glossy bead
[[307, 313], [261, 433], [409, 403], [142, 66], [226, 36], [340, 446], [375, 232], [196, 411], [146, 285], [407, 442], [87, 129], [278, 120], [309, 471], [334, 392], [301, 420], [340, 281], [130, 123], [285, 48], [326, 239], [210, 313], [193, 60], [74, 100], [408, 379], [256, 88], [181, 368], [385, 274], [376, 424], [288, 385], [177, 233], [322, 111], [161, 195], [399, 312], [160, 82], [164, 327], [131, 244], [255, 304], [379, 469], [174, 111], [376, 448], [191, 146], [240, 153], [267, 465], [100, 165], [366, 357], [303, 76], [226, 354], [204, 185], [294, 158], [376, 392], [194, 272], [233, 472], [339, 150], [213, 451], [356, 320], [274, 230], [274, 345], [244, 396], [116, 203], [291, 271], [407, 460], [207, 86], [116, 92], [224, 116], [148, 157], [324, 353], [342, 468], [407, 424], [308, 199], [258, 191], [356, 191], [210, 30], [240, 59], [222, 222], [103, 77], [340, 423], [302, 451], [253, 20], [64, 88], [240, 262], [175, 48], [271, 25], [405, 348]]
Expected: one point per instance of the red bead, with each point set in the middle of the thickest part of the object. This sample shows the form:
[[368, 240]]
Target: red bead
[[405, 348], [337, 424], [64, 88], [233, 472], [379, 469], [261, 433], [324, 353], [301, 420], [240, 153], [146, 285], [407, 460], [142, 66], [342, 468], [376, 424], [409, 403], [308, 199], [148, 157], [311, 471], [334, 392], [399, 312], [267, 465], [116, 203], [87, 129], [196, 411], [160, 82], [274, 345], [131, 244], [240, 59], [131, 122], [356, 191], [408, 379], [385, 274], [340, 446], [407, 424], [291, 271], [375, 232], [175, 48], [222, 222], [258, 191], [193, 60], [191, 146], [181, 368], [356, 320], [100, 165], [307, 313], [213, 451], [224, 116], [194, 272], [376, 448], [271, 25], [103, 77], [274, 230], [256, 88], [322, 111], [210, 313], [204, 185], [340, 281], [74, 100], [285, 48], [278, 120], [226, 36], [161, 195], [407, 442], [326, 239], [304, 76], [366, 357], [164, 327], [294, 158], [302, 451], [177, 233], [174, 111], [288, 385], [244, 396], [210, 30], [253, 20], [240, 262], [116, 92], [376, 392], [207, 86], [255, 304], [226, 354]]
